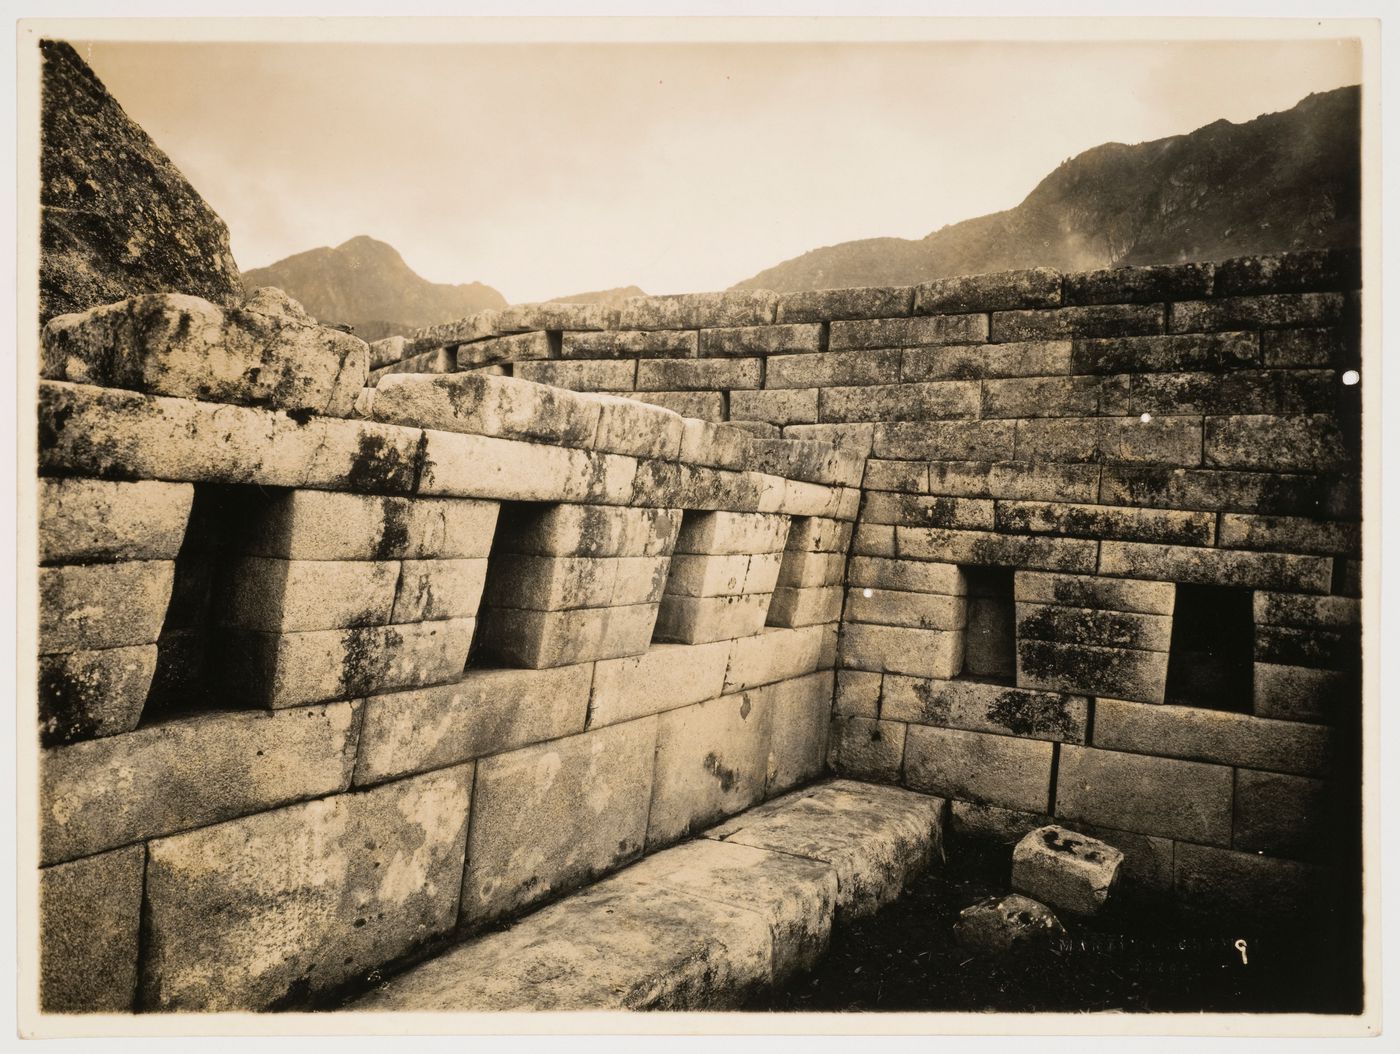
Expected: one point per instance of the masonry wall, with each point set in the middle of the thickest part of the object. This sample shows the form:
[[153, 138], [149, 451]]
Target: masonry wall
[[1106, 566], [323, 688]]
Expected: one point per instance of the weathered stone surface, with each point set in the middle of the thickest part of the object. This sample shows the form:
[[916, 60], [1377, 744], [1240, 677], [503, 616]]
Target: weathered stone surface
[[86, 694], [1282, 815], [117, 216], [1179, 563], [438, 360], [323, 525], [1299, 443], [584, 530], [360, 880], [1041, 358], [89, 923], [517, 348], [550, 817], [486, 712], [804, 568], [781, 407], [909, 332], [1143, 355], [1160, 796], [932, 400], [1213, 735], [1140, 285], [171, 344], [540, 639], [86, 606], [388, 351], [821, 305], [921, 510], [989, 549], [431, 590], [699, 310], [775, 654], [1097, 320], [857, 694], [490, 467], [581, 375], [921, 576], [796, 896], [711, 762], [1310, 347], [1215, 489], [977, 707], [1106, 521], [1292, 391], [1246, 888], [181, 774], [277, 670], [1316, 269], [1065, 870], [666, 375], [706, 406], [864, 748], [484, 405], [666, 677], [1293, 534], [760, 340], [1161, 440], [475, 327], [554, 315], [804, 606], [88, 520], [1091, 626], [888, 607], [900, 649], [1035, 287], [801, 724], [617, 945], [1299, 693], [877, 838], [830, 368], [293, 595], [626, 426], [1256, 312], [945, 440], [1089, 591], [560, 583], [1126, 673], [630, 344], [730, 532], [1001, 770], [1009, 924]]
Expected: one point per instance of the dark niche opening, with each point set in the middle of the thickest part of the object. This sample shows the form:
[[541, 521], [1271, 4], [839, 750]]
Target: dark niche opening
[[1211, 662]]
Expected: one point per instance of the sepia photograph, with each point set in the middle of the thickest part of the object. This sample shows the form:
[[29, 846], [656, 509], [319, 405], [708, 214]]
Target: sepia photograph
[[666, 523]]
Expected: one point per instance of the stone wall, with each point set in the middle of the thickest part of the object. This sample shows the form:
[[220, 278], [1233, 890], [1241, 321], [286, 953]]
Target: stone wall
[[1106, 566], [323, 689]]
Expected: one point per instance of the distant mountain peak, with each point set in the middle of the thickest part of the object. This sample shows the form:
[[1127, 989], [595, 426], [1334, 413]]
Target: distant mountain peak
[[1282, 181]]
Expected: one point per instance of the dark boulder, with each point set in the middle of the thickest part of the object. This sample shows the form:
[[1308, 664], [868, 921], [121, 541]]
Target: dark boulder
[[118, 218]]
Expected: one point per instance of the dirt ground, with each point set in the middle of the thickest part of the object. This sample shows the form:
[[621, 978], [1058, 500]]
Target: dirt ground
[[1135, 958]]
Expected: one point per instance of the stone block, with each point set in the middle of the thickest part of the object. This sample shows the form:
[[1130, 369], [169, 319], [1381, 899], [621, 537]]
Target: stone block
[[822, 305], [430, 590], [1185, 800], [978, 707], [89, 932], [711, 762], [435, 360], [1141, 356], [581, 375], [1214, 489], [1294, 534], [921, 510], [1270, 311], [630, 344], [479, 326], [481, 404], [666, 677], [487, 467], [1014, 480], [1309, 347], [800, 730], [488, 711], [1213, 735], [1001, 770], [695, 575], [89, 520], [1066, 870], [877, 838], [626, 426], [1089, 591], [732, 532], [887, 607], [873, 540], [932, 400], [853, 440], [1281, 815], [707, 406], [909, 477], [1106, 521], [945, 440], [899, 649], [1180, 563], [782, 407], [918, 576], [540, 639], [1040, 397], [760, 340], [1007, 925], [679, 375], [828, 369], [551, 817], [697, 620], [183, 346], [1247, 889], [1302, 443], [597, 531], [1162, 440], [187, 773], [92, 606], [1316, 269], [700, 310], [295, 595], [1319, 648], [562, 583], [1299, 693], [1090, 320], [516, 348], [857, 694], [617, 945], [1126, 673], [87, 694], [909, 332], [775, 654], [997, 550], [277, 670], [554, 315], [1140, 285], [1035, 287], [1092, 626], [323, 525], [798, 606], [361, 879], [1291, 391], [804, 568], [979, 822], [388, 351], [797, 897], [1036, 358]]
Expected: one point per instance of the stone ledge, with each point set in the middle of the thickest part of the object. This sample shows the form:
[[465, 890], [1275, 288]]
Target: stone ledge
[[698, 926]]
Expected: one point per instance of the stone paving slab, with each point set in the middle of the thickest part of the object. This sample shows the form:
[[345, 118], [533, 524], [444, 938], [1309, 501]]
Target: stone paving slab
[[701, 925]]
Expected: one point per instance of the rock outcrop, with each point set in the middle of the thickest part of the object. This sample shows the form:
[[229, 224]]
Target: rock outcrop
[[118, 217]]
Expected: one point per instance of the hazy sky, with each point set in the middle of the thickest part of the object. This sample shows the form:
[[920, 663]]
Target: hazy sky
[[545, 170]]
